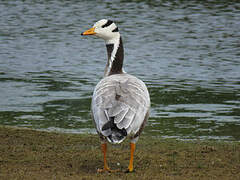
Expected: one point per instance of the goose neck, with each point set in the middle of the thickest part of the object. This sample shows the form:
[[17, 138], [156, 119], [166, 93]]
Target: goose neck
[[115, 56]]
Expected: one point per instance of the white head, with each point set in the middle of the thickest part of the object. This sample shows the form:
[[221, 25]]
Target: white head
[[105, 29]]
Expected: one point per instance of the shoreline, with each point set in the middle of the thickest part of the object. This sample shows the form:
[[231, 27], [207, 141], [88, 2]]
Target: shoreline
[[33, 154]]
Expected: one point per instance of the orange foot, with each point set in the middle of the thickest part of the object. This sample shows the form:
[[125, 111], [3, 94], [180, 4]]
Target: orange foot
[[107, 170], [129, 170]]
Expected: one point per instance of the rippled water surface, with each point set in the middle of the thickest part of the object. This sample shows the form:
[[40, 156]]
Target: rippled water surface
[[187, 52]]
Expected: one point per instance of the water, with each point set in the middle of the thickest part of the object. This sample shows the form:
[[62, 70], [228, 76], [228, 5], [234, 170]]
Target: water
[[187, 52]]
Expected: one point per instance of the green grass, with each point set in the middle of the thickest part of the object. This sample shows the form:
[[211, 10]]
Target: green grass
[[29, 154]]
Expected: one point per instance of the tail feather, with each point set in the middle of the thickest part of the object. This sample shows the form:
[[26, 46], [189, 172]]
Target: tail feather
[[117, 135]]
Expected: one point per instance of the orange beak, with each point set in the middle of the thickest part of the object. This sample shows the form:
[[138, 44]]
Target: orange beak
[[91, 31]]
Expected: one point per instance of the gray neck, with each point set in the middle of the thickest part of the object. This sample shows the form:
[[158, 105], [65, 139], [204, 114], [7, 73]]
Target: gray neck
[[115, 58]]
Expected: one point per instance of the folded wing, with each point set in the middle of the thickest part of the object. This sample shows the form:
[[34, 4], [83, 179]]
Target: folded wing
[[120, 98]]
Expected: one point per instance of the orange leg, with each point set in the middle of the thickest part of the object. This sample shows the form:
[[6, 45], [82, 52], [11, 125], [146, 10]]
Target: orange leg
[[105, 167], [104, 151], [130, 167]]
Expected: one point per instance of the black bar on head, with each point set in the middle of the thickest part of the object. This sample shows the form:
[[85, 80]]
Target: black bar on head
[[115, 30], [108, 23]]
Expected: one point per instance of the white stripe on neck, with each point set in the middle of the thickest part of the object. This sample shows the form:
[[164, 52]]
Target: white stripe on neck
[[115, 41]]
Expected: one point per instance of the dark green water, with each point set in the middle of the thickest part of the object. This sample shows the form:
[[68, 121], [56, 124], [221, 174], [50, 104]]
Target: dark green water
[[187, 52]]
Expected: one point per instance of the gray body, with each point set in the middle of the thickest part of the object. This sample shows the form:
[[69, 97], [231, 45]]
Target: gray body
[[123, 99]]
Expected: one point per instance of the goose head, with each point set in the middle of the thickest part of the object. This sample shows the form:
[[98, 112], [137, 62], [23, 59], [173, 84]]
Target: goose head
[[105, 29]]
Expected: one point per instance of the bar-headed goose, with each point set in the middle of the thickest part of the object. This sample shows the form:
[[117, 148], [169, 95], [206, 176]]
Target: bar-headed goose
[[120, 102]]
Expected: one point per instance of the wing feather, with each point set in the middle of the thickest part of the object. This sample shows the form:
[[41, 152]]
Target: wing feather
[[120, 117], [117, 108]]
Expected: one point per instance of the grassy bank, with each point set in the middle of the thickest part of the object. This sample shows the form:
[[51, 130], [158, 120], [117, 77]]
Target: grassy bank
[[29, 154]]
